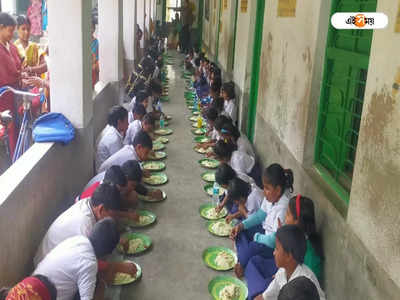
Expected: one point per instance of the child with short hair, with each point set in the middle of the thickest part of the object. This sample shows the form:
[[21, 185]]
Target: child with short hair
[[289, 256], [300, 288], [111, 139], [228, 93], [259, 270], [72, 264], [139, 150], [147, 124], [278, 183], [232, 134], [246, 197], [241, 162]]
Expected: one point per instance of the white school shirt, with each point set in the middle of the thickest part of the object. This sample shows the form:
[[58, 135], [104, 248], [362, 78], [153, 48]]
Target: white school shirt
[[76, 220], [241, 162], [215, 135], [71, 267], [244, 145], [272, 292], [118, 159], [110, 143], [130, 107], [274, 211], [254, 200], [133, 129], [230, 110]]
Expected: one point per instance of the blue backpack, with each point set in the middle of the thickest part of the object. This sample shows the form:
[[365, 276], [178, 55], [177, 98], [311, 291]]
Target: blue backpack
[[53, 127]]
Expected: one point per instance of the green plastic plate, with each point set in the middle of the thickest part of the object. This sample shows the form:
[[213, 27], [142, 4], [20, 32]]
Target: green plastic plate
[[210, 254], [157, 178], [131, 279], [164, 131], [202, 139], [158, 155], [193, 118], [199, 131], [161, 139], [209, 163], [218, 283], [208, 188], [146, 240], [158, 146], [146, 213], [206, 207], [208, 176], [195, 113], [149, 199], [210, 227], [190, 107], [154, 165]]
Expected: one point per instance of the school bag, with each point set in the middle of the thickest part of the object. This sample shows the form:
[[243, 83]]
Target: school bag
[[53, 127]]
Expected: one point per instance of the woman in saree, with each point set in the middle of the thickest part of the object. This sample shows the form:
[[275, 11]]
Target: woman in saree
[[36, 287], [10, 72]]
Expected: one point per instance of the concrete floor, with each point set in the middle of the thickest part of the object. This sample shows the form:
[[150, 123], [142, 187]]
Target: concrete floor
[[173, 268]]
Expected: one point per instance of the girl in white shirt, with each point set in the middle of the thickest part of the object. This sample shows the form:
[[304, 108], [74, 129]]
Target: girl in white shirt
[[277, 184], [232, 133], [241, 162], [228, 93]]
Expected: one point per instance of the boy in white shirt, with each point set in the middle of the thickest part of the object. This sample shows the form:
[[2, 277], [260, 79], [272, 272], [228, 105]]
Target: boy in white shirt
[[80, 218], [72, 265], [139, 150], [112, 137], [146, 124], [300, 288], [289, 255], [141, 98]]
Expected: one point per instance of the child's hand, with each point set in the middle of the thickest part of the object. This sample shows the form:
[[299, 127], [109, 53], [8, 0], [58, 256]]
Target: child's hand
[[156, 194], [242, 209], [127, 268], [124, 243], [219, 208], [210, 154], [235, 231], [259, 297], [132, 215], [229, 219], [146, 173]]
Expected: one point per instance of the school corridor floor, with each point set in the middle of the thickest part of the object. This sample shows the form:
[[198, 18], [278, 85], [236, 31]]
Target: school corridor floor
[[173, 267]]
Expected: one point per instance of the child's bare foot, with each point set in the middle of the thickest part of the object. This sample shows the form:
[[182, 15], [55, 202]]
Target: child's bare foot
[[239, 272]]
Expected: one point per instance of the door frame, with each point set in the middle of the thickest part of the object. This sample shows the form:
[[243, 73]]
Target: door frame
[[258, 37]]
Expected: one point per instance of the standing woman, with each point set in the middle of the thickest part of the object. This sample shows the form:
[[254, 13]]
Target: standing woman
[[10, 71]]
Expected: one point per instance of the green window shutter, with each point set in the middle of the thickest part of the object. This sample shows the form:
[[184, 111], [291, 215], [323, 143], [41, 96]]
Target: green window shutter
[[342, 97]]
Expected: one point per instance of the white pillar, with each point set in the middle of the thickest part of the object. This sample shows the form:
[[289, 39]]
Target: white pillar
[[110, 40], [70, 60], [141, 10], [9, 6], [129, 28]]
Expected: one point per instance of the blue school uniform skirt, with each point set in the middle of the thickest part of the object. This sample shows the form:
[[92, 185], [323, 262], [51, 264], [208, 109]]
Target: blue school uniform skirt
[[258, 274], [247, 248]]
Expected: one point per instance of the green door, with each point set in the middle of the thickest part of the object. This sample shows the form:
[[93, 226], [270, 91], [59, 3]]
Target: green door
[[258, 35], [342, 97]]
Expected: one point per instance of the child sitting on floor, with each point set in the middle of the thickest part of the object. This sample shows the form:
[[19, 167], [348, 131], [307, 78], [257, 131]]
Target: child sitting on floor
[[246, 197], [228, 93], [72, 264], [241, 162], [300, 288], [259, 271], [289, 255], [216, 134], [147, 124], [136, 114], [278, 183]]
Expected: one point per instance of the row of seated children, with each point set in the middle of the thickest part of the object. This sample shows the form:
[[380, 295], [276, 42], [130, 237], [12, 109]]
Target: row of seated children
[[69, 262], [270, 251]]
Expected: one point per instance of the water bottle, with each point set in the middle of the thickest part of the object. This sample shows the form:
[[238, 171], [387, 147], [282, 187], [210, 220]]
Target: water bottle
[[215, 194], [199, 122], [162, 125], [159, 106]]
